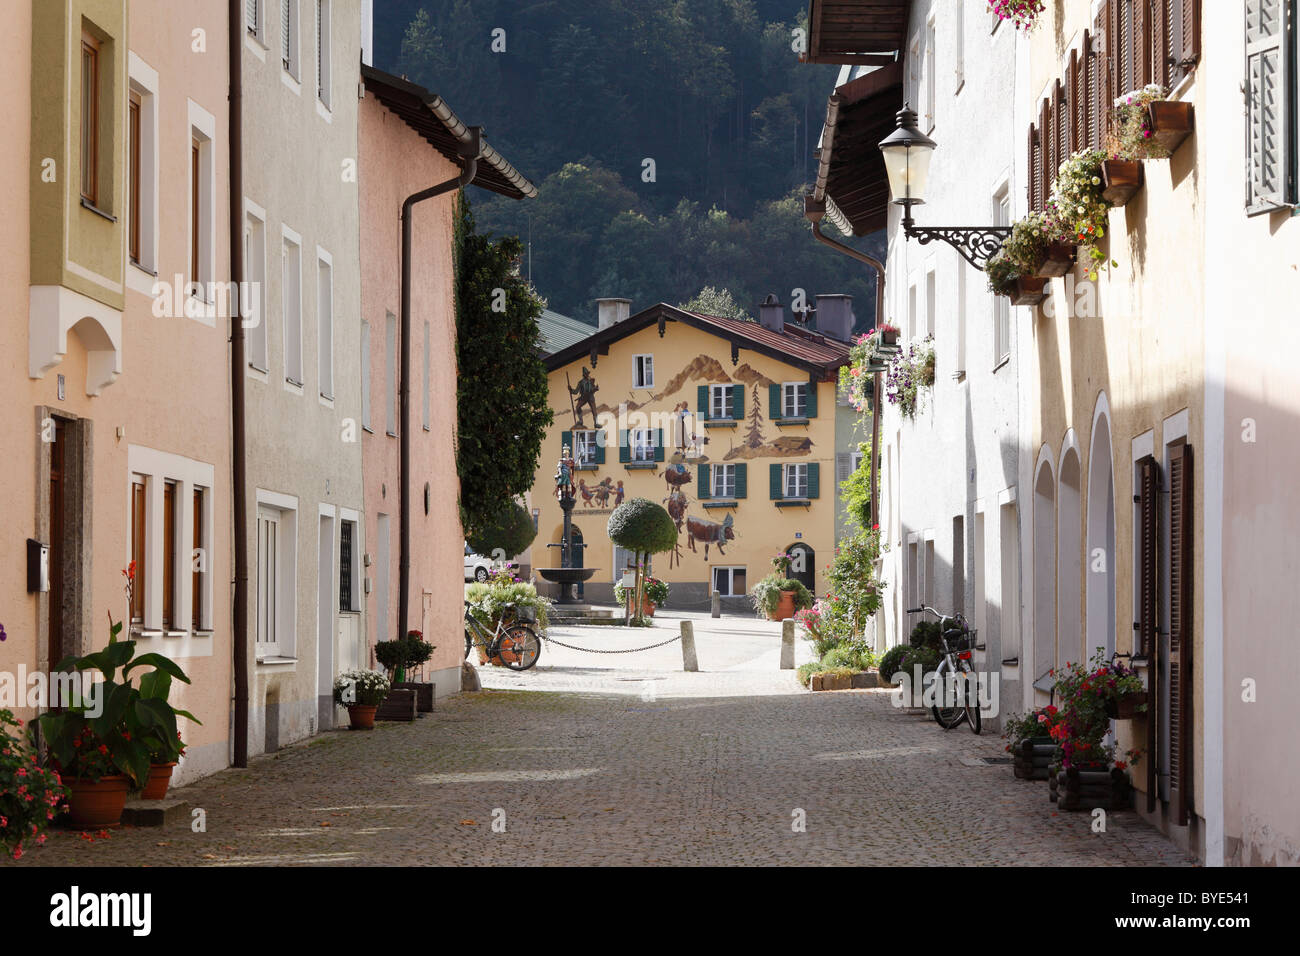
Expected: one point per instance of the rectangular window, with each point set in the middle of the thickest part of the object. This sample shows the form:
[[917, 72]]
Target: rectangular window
[[961, 315], [289, 36], [291, 293], [254, 310], [796, 481], [89, 119], [196, 211], [730, 582], [325, 324], [198, 562], [931, 58], [323, 75], [1001, 304], [139, 543], [133, 176], [268, 580], [169, 556], [931, 306], [390, 369], [720, 406], [643, 371], [365, 375], [253, 17], [642, 442], [794, 400], [724, 481], [427, 383], [347, 596], [911, 311], [1271, 107], [959, 38], [584, 451]]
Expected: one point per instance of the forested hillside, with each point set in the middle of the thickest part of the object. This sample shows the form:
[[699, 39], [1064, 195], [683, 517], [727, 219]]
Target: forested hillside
[[589, 97]]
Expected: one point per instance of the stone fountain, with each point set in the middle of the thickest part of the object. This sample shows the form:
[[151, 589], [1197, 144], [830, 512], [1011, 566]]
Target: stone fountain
[[566, 575]]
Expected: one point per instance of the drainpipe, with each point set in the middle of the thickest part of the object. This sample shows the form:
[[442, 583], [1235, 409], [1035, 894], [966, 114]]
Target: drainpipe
[[470, 149], [814, 211], [238, 485]]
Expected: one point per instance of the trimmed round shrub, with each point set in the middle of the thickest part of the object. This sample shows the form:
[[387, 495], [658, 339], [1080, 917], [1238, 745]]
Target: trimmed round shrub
[[642, 527], [892, 662], [509, 531]]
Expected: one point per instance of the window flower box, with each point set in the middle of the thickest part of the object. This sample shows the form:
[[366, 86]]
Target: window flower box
[[1058, 259], [1127, 706], [1123, 178], [1028, 290], [1171, 122]]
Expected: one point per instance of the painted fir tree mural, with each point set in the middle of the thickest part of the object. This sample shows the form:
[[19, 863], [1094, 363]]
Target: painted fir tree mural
[[754, 436]]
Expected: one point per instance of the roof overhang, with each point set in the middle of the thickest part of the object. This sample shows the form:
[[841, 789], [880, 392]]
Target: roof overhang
[[430, 116], [851, 179], [859, 32]]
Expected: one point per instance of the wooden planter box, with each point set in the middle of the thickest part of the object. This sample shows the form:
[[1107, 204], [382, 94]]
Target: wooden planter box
[[1126, 707], [889, 338], [1171, 122], [1030, 290], [1059, 260], [398, 705], [1032, 759], [1076, 789], [1123, 177], [423, 694]]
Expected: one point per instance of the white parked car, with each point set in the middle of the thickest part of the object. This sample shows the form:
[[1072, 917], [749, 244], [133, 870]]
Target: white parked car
[[476, 566]]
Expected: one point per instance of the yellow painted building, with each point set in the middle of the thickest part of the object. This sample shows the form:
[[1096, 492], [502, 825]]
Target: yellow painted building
[[730, 424]]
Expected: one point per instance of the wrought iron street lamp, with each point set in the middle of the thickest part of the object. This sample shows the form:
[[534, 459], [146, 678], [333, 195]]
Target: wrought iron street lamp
[[908, 152]]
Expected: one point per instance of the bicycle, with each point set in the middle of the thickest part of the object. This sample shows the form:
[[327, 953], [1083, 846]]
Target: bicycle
[[958, 642], [514, 644]]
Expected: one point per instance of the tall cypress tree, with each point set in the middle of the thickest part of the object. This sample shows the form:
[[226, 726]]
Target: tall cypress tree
[[502, 397]]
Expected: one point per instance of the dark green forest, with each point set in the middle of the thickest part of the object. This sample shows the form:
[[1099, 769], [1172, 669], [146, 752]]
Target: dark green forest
[[587, 91]]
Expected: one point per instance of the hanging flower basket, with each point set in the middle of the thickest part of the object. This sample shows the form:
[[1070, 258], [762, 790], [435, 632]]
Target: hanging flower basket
[[1123, 177], [1029, 290], [1057, 260], [1127, 706], [1171, 122]]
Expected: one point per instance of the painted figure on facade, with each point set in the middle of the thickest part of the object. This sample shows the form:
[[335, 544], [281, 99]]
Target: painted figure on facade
[[586, 390], [618, 494], [676, 475], [564, 476]]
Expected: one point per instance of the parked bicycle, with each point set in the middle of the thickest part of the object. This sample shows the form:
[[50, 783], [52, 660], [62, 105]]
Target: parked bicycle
[[956, 669], [515, 643]]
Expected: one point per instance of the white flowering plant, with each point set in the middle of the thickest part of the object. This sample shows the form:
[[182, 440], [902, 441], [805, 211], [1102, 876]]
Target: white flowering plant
[[1132, 136], [364, 687], [1078, 206]]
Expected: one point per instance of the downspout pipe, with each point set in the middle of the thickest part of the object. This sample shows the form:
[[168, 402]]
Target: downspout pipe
[[470, 150], [238, 437], [814, 211]]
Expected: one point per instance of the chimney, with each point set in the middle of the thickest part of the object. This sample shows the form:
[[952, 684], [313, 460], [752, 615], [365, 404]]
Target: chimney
[[771, 314], [609, 311], [835, 317]]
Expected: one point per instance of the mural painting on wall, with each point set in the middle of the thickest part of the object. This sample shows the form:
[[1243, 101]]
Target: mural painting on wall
[[599, 494], [755, 445]]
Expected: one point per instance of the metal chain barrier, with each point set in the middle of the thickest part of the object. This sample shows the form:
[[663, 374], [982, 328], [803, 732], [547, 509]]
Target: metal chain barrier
[[602, 650]]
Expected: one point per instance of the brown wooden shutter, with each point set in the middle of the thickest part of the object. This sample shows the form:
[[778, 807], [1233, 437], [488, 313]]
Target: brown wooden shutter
[[1141, 43], [1061, 123], [169, 555], [1046, 170], [1158, 15], [197, 561], [1181, 570], [1146, 627], [138, 504], [1034, 171], [1073, 100]]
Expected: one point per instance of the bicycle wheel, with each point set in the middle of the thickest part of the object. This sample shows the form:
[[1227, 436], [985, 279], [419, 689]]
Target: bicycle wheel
[[469, 643], [945, 717], [519, 647], [972, 702]]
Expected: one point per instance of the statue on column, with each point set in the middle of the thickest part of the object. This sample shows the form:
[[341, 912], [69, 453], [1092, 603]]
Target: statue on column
[[564, 475]]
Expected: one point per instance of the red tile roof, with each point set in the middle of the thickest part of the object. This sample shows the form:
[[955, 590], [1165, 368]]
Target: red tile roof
[[799, 343]]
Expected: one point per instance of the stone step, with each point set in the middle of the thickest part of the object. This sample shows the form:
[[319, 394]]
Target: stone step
[[155, 813]]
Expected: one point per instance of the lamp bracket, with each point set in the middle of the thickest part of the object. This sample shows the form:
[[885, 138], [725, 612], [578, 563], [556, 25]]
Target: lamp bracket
[[977, 244]]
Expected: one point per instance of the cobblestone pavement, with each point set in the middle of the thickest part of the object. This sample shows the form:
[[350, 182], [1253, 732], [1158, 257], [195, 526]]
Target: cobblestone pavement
[[609, 778]]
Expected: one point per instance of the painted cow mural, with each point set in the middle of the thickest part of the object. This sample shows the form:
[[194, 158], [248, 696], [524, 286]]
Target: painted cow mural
[[709, 532]]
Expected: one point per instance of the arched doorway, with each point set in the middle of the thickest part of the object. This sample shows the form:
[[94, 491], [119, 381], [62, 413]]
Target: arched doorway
[[803, 567], [1101, 537], [1069, 561], [1044, 576]]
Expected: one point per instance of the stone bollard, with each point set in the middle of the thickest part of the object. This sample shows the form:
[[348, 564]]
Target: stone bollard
[[717, 603], [689, 662], [787, 645]]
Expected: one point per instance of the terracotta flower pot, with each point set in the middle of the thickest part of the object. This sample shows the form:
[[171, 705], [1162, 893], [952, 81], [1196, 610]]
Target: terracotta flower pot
[[160, 776], [362, 716], [1123, 177], [99, 804], [784, 608]]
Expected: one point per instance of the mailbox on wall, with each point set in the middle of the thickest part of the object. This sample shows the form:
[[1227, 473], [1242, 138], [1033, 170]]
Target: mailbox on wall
[[38, 567]]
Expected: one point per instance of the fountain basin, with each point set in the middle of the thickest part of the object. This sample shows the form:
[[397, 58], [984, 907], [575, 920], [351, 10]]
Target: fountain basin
[[567, 579]]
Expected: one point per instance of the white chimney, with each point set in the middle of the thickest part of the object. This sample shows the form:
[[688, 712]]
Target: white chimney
[[771, 314], [835, 317], [609, 311]]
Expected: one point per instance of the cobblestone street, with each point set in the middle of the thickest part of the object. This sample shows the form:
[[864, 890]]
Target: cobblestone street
[[594, 777]]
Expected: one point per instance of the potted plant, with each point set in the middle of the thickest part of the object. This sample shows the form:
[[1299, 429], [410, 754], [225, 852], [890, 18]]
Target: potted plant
[[779, 598], [654, 595], [415, 652], [361, 692], [31, 796], [1078, 204], [500, 598], [164, 755], [1023, 14], [1030, 743], [888, 334], [911, 371]]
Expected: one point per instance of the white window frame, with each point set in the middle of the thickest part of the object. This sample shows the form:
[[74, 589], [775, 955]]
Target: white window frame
[[1001, 304], [325, 326], [720, 403], [855, 460], [641, 444], [641, 365], [931, 299], [291, 307], [324, 58], [730, 571], [258, 337], [143, 82], [202, 126], [794, 475], [791, 406], [348, 516], [275, 628], [929, 76], [584, 440], [365, 376], [722, 479]]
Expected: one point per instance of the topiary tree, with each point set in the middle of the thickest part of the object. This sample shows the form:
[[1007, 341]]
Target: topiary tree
[[644, 528], [507, 531]]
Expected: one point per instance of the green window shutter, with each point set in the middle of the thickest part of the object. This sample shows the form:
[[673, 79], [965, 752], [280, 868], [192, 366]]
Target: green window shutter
[[659, 444], [813, 485], [702, 489], [624, 453], [600, 446], [774, 401], [774, 479], [566, 438], [812, 400], [738, 402], [702, 401], [741, 489]]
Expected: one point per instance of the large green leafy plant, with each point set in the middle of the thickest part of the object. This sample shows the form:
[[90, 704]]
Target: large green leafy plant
[[854, 587], [131, 725]]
